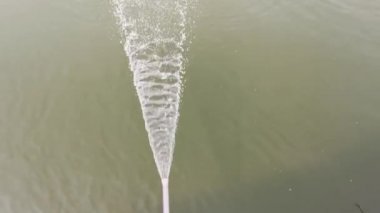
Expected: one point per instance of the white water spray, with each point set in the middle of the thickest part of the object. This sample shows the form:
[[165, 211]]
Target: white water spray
[[155, 34]]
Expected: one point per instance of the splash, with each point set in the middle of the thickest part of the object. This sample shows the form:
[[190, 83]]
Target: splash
[[155, 37]]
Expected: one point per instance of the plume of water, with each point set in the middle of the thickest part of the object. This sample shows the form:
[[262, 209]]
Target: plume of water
[[154, 35]]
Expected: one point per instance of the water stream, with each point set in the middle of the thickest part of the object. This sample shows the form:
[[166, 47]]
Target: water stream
[[154, 36]]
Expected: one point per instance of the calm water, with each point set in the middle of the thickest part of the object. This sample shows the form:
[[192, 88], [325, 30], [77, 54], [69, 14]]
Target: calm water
[[281, 111]]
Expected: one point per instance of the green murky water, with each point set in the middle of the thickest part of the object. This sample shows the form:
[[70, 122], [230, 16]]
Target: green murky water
[[281, 111]]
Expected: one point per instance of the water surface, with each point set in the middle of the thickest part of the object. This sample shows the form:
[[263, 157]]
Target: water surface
[[280, 111]]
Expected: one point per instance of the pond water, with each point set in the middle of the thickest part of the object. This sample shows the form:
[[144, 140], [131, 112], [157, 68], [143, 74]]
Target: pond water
[[280, 111]]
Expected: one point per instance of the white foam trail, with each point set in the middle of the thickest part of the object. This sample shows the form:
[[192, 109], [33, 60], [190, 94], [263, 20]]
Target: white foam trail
[[154, 36]]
